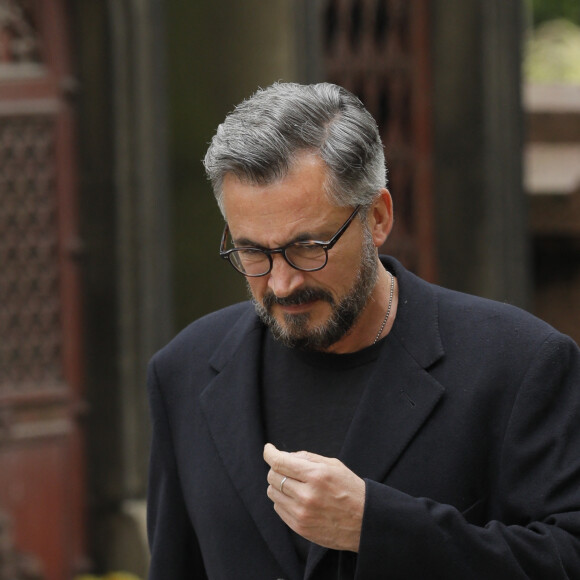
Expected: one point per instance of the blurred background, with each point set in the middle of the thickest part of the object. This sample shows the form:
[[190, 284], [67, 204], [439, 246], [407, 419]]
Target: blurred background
[[109, 232]]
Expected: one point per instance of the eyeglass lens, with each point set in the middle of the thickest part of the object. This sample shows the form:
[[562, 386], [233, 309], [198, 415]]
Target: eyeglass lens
[[255, 262]]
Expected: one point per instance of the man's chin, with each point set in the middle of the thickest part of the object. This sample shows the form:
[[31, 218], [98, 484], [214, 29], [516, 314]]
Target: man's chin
[[304, 341], [294, 325], [299, 333], [292, 330]]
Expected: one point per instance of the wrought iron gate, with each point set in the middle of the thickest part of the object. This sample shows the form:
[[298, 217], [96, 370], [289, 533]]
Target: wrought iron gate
[[379, 50]]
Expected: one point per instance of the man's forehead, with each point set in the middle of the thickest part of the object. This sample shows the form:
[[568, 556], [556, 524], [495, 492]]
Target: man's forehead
[[299, 162], [303, 186], [272, 216]]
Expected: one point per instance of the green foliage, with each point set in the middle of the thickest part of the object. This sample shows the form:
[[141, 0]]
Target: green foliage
[[545, 10]]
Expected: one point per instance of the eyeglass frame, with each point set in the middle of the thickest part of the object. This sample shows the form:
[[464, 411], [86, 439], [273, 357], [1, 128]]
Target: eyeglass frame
[[225, 254]]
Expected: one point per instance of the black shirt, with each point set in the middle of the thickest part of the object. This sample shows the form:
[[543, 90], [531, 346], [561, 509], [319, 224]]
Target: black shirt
[[309, 399]]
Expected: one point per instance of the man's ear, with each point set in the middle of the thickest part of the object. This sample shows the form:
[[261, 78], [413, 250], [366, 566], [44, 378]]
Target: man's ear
[[381, 217]]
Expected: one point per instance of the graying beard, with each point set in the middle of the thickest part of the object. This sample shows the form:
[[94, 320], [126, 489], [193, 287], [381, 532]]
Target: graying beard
[[343, 317]]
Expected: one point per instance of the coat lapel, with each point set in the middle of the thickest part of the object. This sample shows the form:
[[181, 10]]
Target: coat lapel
[[401, 394], [231, 404]]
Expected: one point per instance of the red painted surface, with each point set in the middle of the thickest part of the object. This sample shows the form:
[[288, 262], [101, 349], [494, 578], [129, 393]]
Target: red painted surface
[[41, 451], [380, 51]]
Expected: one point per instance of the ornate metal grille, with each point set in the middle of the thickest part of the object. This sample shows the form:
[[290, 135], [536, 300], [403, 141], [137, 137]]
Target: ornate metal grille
[[30, 325], [18, 35], [378, 50]]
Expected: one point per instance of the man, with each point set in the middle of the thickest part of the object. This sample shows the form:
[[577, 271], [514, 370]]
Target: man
[[352, 421]]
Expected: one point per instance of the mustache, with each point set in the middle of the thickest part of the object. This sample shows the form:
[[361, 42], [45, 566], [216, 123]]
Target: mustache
[[302, 296]]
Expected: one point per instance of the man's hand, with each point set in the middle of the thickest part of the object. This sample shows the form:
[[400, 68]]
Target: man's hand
[[321, 499]]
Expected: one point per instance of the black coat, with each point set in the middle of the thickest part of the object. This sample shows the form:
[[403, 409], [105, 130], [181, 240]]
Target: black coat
[[468, 437]]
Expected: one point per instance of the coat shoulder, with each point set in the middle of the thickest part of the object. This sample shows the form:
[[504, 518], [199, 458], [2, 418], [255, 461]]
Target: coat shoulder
[[201, 338], [482, 332], [485, 316], [432, 320]]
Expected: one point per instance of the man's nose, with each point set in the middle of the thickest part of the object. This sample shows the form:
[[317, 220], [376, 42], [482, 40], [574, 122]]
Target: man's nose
[[283, 278]]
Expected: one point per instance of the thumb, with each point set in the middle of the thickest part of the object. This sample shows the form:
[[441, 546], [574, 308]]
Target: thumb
[[313, 457]]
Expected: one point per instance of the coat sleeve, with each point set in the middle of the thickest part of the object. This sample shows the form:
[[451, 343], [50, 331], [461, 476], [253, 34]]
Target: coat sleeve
[[533, 507], [174, 548]]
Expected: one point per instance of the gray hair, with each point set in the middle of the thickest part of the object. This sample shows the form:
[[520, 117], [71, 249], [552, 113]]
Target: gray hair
[[260, 139]]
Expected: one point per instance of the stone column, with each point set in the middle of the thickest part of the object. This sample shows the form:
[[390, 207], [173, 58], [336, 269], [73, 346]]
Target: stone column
[[479, 200], [125, 206]]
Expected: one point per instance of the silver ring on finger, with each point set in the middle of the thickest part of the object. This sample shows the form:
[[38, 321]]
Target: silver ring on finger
[[282, 483]]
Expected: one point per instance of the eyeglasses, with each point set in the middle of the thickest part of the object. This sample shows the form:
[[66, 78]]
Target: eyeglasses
[[307, 256]]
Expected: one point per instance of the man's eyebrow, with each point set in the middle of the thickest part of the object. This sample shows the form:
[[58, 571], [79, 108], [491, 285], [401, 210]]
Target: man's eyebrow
[[246, 243], [302, 237]]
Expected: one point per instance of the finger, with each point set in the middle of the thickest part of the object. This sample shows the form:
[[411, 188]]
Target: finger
[[281, 483], [273, 457], [315, 458], [278, 460], [283, 512], [277, 480], [270, 454], [269, 451], [282, 491], [290, 464]]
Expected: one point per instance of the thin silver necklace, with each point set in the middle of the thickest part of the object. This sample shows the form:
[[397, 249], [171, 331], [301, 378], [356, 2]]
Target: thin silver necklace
[[388, 309]]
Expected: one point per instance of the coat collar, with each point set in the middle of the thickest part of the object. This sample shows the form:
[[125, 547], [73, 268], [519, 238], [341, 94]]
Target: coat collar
[[417, 322], [396, 404]]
